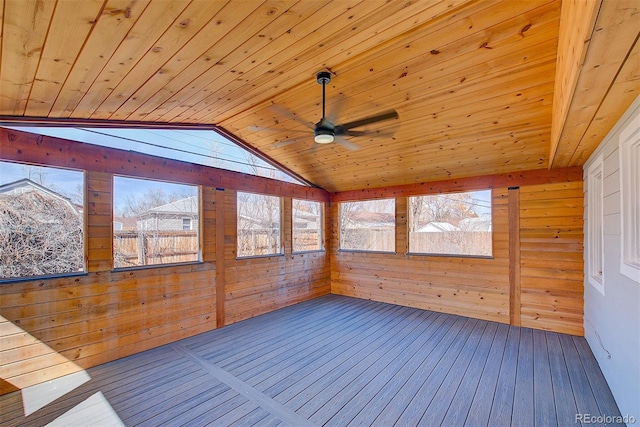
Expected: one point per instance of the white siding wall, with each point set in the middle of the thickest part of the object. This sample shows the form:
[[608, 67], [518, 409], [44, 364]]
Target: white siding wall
[[612, 320]]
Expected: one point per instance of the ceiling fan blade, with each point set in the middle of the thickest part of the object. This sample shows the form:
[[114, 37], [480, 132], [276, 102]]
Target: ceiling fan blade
[[346, 144], [393, 114], [266, 129], [284, 112], [284, 143], [382, 133]]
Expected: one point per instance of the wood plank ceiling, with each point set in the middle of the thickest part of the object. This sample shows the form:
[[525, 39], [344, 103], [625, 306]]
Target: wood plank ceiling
[[473, 81]]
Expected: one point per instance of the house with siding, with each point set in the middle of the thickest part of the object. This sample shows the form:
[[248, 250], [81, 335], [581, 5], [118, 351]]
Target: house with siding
[[181, 214]]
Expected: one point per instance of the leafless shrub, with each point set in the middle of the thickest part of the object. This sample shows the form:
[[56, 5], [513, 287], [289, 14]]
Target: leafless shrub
[[39, 235]]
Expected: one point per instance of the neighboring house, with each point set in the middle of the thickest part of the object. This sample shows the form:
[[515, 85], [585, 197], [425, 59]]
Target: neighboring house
[[305, 220], [121, 223], [437, 227], [25, 185], [179, 215]]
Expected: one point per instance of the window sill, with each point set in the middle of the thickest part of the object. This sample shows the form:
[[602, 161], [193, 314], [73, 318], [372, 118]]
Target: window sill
[[46, 277], [147, 267], [360, 251], [426, 254], [259, 256]]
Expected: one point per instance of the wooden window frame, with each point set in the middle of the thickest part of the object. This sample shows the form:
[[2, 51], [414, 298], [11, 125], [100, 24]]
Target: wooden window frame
[[442, 254], [198, 259], [320, 230], [341, 237], [280, 231], [85, 245]]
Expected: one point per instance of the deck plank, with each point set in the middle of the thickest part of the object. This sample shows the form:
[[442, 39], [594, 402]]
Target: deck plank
[[380, 401], [522, 413], [461, 402], [545, 410], [565, 403], [480, 409], [343, 361], [502, 402], [606, 402], [585, 400], [409, 389]]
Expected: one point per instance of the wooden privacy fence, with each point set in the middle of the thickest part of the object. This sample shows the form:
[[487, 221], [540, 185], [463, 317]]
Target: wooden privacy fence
[[134, 248], [448, 243], [258, 242], [368, 239], [451, 243]]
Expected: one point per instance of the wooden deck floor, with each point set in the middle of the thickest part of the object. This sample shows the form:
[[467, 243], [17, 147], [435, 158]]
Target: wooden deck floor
[[339, 361]]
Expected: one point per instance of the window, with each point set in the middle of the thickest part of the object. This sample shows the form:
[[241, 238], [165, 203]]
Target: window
[[41, 221], [630, 195], [198, 146], [451, 224], [306, 219], [595, 212], [259, 225], [368, 225], [149, 223]]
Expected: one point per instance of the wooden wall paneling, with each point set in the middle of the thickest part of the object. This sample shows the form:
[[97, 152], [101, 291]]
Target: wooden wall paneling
[[474, 287], [99, 217], [551, 247], [511, 179], [208, 223], [514, 256], [402, 229], [105, 314], [257, 285], [287, 222], [220, 257]]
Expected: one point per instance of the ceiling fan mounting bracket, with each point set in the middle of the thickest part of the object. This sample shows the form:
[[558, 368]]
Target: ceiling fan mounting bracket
[[323, 77]]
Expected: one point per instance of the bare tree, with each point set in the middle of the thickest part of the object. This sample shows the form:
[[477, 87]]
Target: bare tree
[[259, 218]]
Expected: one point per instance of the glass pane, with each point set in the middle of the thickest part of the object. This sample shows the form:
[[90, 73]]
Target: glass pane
[[451, 224], [307, 225], [41, 221], [368, 225], [203, 147], [258, 225], [149, 222]]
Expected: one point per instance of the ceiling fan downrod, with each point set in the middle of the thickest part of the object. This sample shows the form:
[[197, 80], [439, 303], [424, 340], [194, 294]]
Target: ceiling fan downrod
[[323, 134]]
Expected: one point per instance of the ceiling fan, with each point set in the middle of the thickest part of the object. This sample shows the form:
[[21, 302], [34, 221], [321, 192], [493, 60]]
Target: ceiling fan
[[326, 131]]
